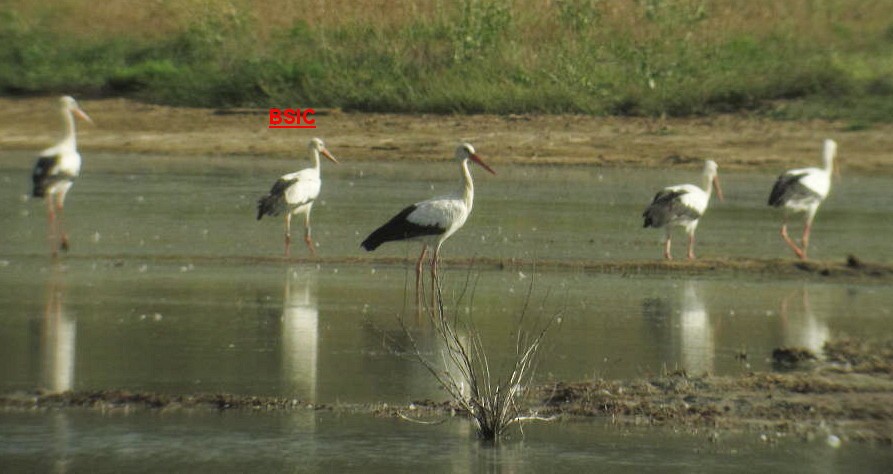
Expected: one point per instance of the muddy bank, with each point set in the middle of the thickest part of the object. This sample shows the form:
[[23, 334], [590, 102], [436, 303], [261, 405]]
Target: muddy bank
[[737, 142], [846, 392], [852, 269]]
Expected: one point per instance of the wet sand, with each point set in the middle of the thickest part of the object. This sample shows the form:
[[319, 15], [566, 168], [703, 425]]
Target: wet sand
[[736, 142]]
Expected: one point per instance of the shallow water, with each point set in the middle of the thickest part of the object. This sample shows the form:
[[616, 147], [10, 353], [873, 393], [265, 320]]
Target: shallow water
[[527, 212], [319, 332], [144, 303], [326, 442]]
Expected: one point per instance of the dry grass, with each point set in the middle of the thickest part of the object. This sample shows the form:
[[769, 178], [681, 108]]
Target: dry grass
[[492, 395]]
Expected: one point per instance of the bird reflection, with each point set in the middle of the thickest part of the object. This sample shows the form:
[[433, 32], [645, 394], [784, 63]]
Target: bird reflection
[[63, 433], [800, 325], [300, 332], [696, 341], [682, 330], [57, 334]]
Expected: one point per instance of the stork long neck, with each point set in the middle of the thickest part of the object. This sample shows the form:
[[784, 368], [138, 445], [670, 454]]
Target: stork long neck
[[829, 161], [314, 155], [468, 193], [707, 184], [68, 139]]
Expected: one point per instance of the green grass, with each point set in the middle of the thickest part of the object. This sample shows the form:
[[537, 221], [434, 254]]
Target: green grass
[[794, 59]]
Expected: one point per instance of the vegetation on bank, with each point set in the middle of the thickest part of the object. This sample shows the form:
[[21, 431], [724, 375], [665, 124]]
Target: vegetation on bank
[[792, 59]]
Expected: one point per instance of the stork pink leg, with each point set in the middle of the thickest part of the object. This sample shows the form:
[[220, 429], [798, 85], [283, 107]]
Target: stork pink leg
[[51, 226], [307, 238], [784, 234], [287, 234], [63, 236], [691, 246], [667, 254], [434, 282], [418, 276], [805, 241], [309, 243]]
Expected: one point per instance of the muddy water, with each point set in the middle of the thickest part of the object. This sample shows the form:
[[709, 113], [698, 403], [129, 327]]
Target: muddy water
[[112, 316]]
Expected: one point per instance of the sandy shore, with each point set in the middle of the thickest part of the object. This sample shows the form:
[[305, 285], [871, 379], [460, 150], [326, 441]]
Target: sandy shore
[[735, 141]]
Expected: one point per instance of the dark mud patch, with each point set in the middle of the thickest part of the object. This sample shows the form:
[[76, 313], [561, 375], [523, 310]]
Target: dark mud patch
[[791, 357], [848, 393], [106, 400], [853, 269]]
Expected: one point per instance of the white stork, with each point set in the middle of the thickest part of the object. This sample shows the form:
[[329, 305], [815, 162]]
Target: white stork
[[803, 190], [295, 193], [432, 221], [682, 205], [55, 171]]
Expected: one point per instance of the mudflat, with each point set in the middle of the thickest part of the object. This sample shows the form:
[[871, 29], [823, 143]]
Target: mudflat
[[736, 142]]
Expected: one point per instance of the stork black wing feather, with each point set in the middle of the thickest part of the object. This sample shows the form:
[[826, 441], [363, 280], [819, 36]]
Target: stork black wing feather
[[399, 228], [274, 203], [42, 177], [787, 186], [658, 213]]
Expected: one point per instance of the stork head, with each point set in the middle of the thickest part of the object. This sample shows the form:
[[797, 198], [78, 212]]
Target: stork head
[[466, 152], [69, 105], [711, 175], [317, 145]]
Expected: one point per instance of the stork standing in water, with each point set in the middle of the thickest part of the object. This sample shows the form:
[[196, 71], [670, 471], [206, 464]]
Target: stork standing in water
[[295, 193], [55, 171], [432, 221], [803, 190], [683, 205]]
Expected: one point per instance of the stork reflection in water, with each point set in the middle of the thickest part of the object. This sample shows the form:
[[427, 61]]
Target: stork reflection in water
[[800, 326], [56, 337], [300, 332]]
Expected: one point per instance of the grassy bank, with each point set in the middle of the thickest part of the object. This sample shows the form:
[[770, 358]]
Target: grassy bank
[[797, 58]]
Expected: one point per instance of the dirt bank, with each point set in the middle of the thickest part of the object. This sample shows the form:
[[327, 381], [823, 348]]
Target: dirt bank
[[853, 269], [735, 141], [847, 392]]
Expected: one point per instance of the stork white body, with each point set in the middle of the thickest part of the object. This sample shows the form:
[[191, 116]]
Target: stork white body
[[803, 190], [295, 193], [682, 206], [55, 171], [432, 221]]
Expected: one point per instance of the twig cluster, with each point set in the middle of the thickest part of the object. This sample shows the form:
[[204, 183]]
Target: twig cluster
[[492, 399]]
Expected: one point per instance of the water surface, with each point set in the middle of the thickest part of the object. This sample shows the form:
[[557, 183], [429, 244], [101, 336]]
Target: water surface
[[164, 292], [326, 442]]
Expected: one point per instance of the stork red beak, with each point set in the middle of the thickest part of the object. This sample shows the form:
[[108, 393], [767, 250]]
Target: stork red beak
[[80, 113], [477, 159], [718, 189], [328, 155]]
